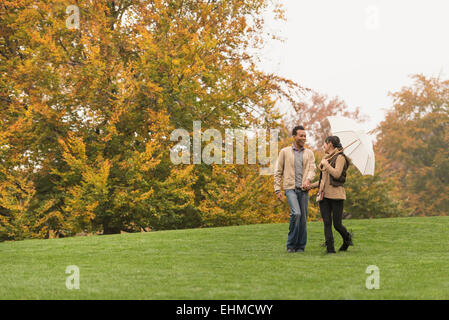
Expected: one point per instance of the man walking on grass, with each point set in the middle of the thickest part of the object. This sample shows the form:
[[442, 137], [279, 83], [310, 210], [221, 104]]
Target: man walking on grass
[[296, 167]]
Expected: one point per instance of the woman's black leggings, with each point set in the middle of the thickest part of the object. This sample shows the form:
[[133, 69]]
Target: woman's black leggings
[[332, 210]]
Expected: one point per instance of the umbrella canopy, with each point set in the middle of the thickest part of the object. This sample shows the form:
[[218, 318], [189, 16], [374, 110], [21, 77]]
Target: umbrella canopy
[[356, 142]]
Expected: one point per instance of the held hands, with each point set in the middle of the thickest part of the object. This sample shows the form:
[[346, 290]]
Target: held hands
[[311, 186], [279, 196], [306, 185]]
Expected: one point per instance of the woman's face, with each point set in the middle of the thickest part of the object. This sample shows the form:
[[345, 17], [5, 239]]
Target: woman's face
[[327, 146]]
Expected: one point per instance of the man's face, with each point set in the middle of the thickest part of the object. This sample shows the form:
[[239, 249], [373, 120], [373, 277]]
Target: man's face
[[300, 138]]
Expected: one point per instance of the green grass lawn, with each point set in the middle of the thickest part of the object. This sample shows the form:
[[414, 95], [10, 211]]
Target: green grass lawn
[[244, 262]]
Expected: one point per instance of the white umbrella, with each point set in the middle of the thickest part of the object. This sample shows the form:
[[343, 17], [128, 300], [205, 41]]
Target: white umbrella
[[356, 142]]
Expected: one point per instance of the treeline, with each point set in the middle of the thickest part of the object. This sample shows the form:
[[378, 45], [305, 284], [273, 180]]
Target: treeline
[[86, 117]]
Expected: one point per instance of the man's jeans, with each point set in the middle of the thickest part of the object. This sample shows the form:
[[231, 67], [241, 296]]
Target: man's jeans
[[298, 201]]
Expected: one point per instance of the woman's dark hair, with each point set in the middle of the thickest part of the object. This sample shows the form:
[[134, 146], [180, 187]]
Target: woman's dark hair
[[335, 141]]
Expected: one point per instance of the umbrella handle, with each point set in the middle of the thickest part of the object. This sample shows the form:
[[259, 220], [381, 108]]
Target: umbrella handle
[[351, 144], [331, 155]]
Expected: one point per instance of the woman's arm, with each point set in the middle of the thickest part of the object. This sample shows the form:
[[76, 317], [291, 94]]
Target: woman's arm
[[314, 185], [336, 172]]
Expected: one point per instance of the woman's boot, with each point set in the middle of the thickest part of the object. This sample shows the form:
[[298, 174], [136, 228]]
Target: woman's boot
[[346, 243], [330, 246]]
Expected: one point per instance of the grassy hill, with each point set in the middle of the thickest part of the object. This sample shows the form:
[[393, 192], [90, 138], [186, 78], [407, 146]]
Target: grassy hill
[[244, 262]]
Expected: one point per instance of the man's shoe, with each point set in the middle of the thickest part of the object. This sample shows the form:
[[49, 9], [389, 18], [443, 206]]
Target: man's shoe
[[289, 250], [299, 250], [344, 246]]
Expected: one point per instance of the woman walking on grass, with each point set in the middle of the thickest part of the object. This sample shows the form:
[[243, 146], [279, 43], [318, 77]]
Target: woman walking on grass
[[331, 193]]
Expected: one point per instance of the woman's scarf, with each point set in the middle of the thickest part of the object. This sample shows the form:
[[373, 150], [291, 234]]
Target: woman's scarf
[[326, 176]]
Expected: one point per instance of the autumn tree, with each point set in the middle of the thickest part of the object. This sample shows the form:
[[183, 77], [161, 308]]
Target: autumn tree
[[86, 112], [312, 111], [414, 138], [236, 194]]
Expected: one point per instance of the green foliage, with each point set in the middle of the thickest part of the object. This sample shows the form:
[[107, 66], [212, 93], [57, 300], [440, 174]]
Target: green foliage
[[370, 196]]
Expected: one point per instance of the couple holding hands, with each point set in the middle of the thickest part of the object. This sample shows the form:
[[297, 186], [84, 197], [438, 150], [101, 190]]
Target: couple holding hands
[[296, 167]]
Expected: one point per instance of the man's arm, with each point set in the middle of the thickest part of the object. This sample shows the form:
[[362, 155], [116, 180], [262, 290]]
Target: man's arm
[[311, 169], [279, 171]]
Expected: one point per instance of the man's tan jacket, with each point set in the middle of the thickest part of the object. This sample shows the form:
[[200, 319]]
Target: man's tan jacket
[[285, 168]]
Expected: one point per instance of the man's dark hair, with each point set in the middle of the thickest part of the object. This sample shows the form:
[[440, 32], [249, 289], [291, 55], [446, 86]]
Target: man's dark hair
[[296, 129]]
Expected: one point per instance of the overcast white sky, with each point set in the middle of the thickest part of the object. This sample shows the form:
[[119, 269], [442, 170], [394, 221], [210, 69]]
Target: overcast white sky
[[360, 49]]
